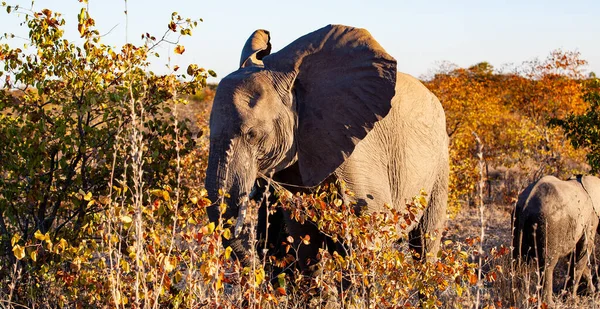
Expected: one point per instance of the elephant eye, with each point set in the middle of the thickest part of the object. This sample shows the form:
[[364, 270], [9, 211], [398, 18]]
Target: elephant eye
[[251, 136]]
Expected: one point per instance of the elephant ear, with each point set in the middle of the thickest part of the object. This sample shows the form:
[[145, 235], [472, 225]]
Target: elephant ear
[[343, 83], [592, 186], [256, 48]]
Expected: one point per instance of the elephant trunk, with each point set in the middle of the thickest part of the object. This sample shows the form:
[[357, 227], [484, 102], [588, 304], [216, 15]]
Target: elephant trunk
[[217, 178], [223, 173]]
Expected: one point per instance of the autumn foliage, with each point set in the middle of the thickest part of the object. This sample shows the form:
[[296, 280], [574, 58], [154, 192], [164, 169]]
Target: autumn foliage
[[510, 111], [103, 164]]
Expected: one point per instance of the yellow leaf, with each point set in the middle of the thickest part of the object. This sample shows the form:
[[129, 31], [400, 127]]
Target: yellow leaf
[[227, 234], [126, 219], [246, 270], [169, 266], [63, 243], [125, 266], [19, 252], [33, 255], [194, 200], [87, 196], [39, 236], [165, 195], [222, 208], [228, 252], [203, 192], [15, 239], [337, 202], [179, 49], [211, 227], [156, 192], [259, 276], [459, 290], [191, 70], [281, 280]]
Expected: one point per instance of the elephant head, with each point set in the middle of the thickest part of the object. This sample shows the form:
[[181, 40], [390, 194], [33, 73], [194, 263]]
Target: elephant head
[[306, 106]]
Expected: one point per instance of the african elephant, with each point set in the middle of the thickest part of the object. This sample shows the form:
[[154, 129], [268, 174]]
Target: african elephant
[[554, 218], [329, 106]]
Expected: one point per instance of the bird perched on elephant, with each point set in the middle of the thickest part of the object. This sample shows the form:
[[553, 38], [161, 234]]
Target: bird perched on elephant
[[330, 106], [555, 218]]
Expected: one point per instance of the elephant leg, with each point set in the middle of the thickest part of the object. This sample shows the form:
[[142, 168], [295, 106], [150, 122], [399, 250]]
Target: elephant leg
[[587, 273], [306, 254], [581, 268], [547, 280], [426, 237], [590, 288], [271, 233]]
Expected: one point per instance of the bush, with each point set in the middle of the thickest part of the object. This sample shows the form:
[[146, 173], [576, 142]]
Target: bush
[[85, 130], [583, 130]]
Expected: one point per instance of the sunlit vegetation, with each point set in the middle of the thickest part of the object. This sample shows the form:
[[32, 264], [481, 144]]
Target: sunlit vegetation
[[511, 112], [103, 164]]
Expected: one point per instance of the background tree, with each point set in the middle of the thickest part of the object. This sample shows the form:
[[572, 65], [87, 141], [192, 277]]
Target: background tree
[[510, 112], [584, 130]]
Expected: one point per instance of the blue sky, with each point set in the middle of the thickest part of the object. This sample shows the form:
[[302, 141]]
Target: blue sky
[[419, 34]]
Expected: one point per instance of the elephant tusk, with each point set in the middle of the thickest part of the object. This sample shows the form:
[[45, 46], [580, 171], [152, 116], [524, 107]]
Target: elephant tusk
[[239, 224]]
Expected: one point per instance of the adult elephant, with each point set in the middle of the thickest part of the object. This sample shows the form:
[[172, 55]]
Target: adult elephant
[[554, 218], [329, 106]]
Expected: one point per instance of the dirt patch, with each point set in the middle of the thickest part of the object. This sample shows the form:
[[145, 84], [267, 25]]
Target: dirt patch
[[497, 225]]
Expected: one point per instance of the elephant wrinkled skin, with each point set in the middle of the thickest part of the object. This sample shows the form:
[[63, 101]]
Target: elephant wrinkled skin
[[554, 218], [329, 106]]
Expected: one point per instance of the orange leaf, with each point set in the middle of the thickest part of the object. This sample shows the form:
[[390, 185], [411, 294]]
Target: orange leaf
[[179, 49], [472, 279]]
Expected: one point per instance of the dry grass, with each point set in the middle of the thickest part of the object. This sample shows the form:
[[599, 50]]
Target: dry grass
[[518, 284]]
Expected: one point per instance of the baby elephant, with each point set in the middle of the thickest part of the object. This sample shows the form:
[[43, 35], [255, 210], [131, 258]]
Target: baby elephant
[[554, 218]]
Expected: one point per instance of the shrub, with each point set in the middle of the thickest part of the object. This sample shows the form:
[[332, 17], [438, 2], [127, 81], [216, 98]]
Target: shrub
[[85, 130]]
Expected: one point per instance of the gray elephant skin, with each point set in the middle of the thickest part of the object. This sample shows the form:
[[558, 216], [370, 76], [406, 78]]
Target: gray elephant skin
[[329, 106], [555, 218]]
